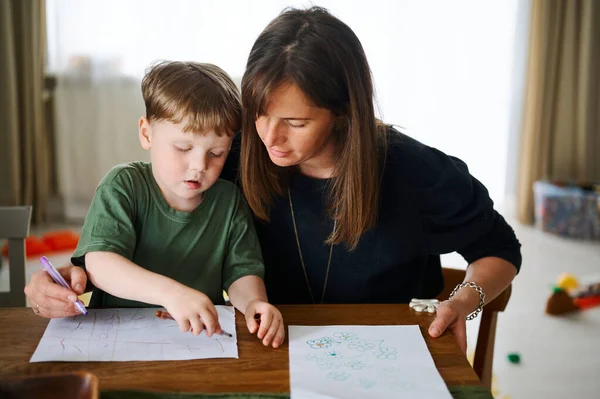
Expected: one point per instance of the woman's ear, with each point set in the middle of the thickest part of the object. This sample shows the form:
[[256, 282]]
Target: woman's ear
[[145, 133]]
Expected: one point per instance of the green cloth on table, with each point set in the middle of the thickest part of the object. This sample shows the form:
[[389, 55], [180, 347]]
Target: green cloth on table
[[458, 392]]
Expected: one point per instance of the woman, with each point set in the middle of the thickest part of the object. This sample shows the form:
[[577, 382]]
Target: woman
[[348, 209]]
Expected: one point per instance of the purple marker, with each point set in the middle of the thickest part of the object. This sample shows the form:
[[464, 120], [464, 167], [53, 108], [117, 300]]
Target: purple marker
[[60, 280]]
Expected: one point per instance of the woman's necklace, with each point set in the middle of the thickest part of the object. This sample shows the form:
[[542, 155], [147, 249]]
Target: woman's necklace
[[302, 258]]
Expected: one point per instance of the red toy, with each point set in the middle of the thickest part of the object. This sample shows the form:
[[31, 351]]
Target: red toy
[[56, 241]]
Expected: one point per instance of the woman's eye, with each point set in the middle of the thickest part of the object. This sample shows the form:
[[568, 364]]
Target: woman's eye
[[182, 149], [212, 154], [296, 124]]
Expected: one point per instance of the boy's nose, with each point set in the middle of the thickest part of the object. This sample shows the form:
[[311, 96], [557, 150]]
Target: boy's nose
[[199, 163]]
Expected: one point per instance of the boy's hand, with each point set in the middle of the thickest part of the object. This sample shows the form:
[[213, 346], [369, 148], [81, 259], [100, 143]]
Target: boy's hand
[[271, 328], [193, 310]]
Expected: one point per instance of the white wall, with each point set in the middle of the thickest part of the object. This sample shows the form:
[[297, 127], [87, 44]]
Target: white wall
[[517, 100], [443, 70]]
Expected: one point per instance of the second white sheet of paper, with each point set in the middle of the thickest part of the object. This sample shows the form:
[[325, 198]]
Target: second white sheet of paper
[[362, 362]]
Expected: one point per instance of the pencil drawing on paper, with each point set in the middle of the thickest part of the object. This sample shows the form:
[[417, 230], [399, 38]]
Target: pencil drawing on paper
[[131, 334], [343, 353], [362, 362]]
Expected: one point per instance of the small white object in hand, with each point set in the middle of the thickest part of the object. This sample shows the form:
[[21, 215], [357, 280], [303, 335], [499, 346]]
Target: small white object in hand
[[424, 305]]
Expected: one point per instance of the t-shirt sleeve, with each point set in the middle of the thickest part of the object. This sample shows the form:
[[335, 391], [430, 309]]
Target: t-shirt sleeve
[[108, 226], [244, 256], [458, 213]]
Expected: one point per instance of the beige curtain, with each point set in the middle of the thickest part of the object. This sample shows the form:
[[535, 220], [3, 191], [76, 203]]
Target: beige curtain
[[25, 157], [561, 119]]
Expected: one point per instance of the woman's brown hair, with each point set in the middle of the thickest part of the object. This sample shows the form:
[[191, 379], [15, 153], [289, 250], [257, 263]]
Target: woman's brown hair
[[323, 57]]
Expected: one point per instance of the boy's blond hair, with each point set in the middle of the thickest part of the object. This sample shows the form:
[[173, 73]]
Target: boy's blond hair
[[203, 94]]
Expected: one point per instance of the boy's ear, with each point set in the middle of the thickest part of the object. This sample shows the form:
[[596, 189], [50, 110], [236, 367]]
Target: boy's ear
[[145, 133]]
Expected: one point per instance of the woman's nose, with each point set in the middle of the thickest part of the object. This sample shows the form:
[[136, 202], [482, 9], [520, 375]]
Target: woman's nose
[[270, 133]]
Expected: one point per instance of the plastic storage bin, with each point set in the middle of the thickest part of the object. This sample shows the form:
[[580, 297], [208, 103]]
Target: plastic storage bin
[[568, 210]]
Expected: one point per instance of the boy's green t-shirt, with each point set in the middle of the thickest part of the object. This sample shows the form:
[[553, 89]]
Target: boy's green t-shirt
[[206, 249]]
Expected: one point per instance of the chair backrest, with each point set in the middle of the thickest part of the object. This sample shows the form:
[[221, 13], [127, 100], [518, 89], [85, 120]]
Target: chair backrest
[[484, 351], [14, 226]]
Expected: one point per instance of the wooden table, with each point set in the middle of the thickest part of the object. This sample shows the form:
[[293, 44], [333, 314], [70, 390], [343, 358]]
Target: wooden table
[[258, 369]]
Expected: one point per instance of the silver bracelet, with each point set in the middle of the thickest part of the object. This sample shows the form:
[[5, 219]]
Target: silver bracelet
[[471, 284]]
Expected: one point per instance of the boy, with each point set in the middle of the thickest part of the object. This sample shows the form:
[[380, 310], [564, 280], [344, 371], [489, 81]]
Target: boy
[[169, 232]]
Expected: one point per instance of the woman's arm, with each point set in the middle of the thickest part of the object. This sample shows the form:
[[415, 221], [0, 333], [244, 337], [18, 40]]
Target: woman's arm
[[458, 215], [493, 275]]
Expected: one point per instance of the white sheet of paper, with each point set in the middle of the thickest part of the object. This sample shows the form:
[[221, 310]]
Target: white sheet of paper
[[362, 362], [109, 335]]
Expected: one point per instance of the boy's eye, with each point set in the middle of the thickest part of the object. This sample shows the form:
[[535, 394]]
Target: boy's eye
[[182, 149]]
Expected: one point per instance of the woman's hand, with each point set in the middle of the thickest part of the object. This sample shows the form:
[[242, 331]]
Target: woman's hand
[[267, 319], [492, 275], [451, 315], [193, 310], [48, 299]]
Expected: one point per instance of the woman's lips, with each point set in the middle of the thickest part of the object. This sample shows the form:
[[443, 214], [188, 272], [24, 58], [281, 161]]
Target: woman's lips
[[279, 154]]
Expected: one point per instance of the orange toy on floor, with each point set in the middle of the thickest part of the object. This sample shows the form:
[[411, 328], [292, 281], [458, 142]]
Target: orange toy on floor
[[55, 241]]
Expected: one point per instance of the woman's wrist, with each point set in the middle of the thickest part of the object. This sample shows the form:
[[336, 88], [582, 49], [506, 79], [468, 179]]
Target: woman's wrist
[[468, 299]]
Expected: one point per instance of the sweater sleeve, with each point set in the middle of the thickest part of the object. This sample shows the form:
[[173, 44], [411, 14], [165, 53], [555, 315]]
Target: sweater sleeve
[[458, 213]]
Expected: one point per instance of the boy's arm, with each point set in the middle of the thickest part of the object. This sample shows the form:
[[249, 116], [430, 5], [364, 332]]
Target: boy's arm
[[248, 294], [243, 259], [122, 278], [243, 272], [245, 290]]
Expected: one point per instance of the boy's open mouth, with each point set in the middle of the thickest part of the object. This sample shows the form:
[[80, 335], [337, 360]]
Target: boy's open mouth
[[193, 184]]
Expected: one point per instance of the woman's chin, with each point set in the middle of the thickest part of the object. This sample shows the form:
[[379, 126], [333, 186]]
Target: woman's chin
[[282, 162]]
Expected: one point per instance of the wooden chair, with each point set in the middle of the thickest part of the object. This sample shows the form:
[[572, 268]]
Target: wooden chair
[[484, 351], [14, 226]]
